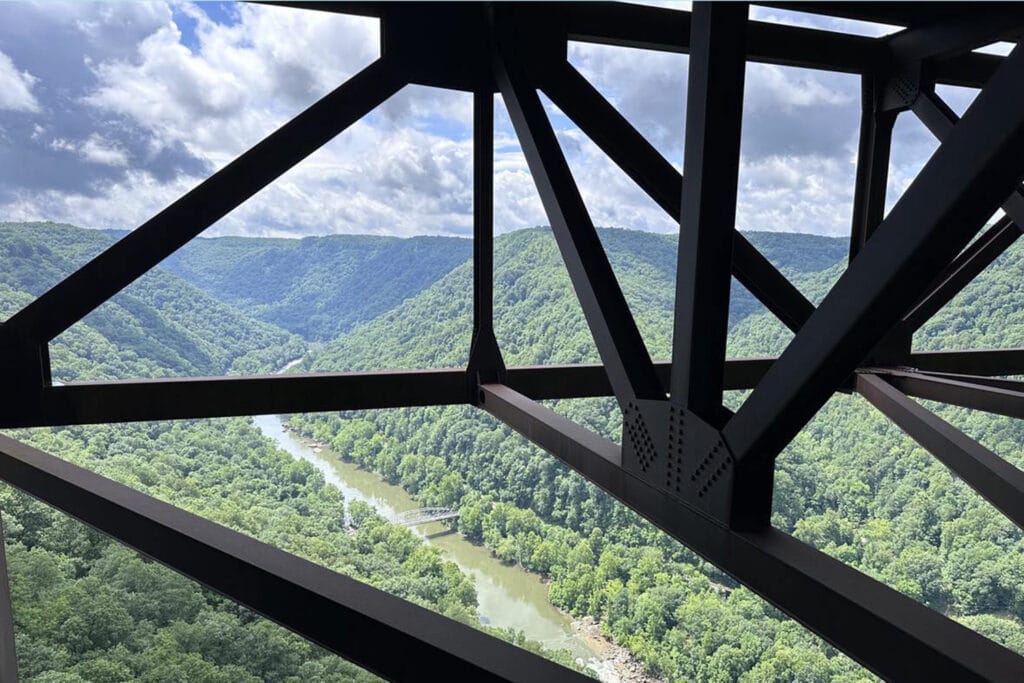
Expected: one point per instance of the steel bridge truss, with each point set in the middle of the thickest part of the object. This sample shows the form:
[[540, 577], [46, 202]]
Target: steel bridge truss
[[687, 464]]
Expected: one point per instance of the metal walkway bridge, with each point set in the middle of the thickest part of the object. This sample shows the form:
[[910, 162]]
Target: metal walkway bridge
[[424, 516]]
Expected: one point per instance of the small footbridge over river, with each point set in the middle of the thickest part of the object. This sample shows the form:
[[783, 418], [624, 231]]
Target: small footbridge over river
[[419, 516]]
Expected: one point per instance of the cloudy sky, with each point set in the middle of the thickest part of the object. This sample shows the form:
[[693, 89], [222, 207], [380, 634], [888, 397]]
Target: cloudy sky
[[109, 111]]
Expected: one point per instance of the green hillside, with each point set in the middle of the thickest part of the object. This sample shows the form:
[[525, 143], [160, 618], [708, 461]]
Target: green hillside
[[87, 609], [317, 287], [160, 325], [851, 484], [539, 320]]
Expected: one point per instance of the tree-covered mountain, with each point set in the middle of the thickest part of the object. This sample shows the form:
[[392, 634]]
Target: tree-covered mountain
[[320, 287], [87, 609], [317, 287], [539, 320], [160, 325], [851, 483]]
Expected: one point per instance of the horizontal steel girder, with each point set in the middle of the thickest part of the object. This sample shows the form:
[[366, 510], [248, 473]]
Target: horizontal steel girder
[[1007, 399], [182, 398], [996, 480]]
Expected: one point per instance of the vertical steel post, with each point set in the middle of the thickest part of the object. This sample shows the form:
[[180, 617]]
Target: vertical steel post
[[8, 656], [714, 116], [876, 128], [485, 362]]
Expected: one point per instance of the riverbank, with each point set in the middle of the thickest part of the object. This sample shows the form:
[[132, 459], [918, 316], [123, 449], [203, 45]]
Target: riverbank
[[509, 595], [617, 664]]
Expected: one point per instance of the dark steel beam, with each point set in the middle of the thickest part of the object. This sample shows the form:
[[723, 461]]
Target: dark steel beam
[[143, 248], [997, 382], [615, 332], [990, 362], [365, 9], [1000, 400], [892, 13], [971, 70], [961, 272], [610, 131], [974, 170], [548, 382], [996, 480], [485, 361], [345, 616], [185, 398], [201, 397], [940, 119], [887, 632], [872, 179], [653, 28], [948, 36], [714, 117], [8, 654]]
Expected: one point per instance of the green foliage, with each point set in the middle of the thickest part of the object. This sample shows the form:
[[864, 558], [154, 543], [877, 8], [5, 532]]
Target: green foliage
[[317, 287], [851, 483], [159, 325]]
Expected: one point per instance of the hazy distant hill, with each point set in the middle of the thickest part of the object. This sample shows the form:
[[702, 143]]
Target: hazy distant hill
[[159, 325], [317, 287], [538, 319]]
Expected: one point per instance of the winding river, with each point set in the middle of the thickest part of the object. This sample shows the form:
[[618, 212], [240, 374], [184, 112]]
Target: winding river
[[508, 595]]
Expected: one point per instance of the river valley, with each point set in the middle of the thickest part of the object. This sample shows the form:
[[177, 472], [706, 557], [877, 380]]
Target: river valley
[[508, 596]]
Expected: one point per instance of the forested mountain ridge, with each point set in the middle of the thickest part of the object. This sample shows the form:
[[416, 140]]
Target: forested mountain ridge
[[540, 321], [87, 609], [160, 325], [317, 287], [851, 484]]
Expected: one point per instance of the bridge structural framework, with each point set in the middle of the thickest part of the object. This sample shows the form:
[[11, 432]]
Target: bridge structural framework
[[426, 515], [699, 471]]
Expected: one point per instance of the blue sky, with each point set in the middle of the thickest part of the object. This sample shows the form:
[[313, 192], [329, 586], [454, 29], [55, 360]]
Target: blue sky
[[109, 111]]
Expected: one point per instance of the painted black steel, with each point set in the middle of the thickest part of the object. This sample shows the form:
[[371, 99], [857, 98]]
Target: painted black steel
[[8, 655], [889, 633], [996, 480], [963, 183], [596, 117], [985, 362], [961, 272], [1007, 399], [485, 361], [944, 37], [201, 397], [387, 635], [902, 270], [181, 398], [876, 127], [711, 163], [615, 332]]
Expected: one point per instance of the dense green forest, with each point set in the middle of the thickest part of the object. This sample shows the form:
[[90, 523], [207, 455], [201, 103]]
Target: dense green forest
[[160, 326], [851, 484], [317, 287], [88, 609]]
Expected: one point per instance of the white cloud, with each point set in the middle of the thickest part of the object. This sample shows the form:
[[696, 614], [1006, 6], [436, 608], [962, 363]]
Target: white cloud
[[136, 103], [94, 149], [16, 87]]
